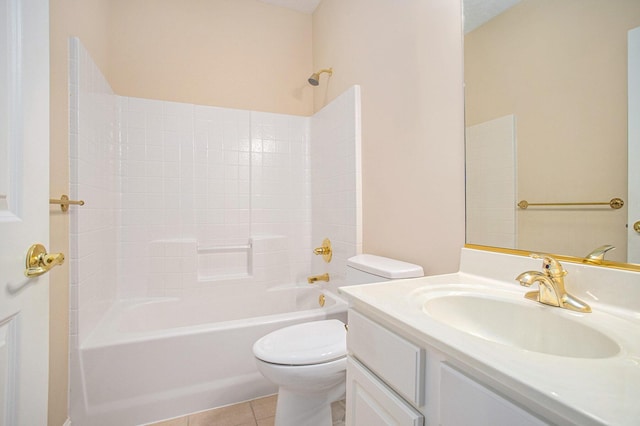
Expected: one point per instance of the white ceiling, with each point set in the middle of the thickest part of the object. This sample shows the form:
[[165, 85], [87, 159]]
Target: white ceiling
[[305, 6], [476, 12]]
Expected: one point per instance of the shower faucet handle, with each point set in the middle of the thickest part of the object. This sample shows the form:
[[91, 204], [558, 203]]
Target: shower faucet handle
[[324, 250]]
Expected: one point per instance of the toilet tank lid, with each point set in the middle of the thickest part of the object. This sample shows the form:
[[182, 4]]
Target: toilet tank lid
[[385, 267]]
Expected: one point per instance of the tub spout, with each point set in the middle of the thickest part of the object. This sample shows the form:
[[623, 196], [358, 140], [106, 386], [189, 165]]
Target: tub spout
[[315, 278]]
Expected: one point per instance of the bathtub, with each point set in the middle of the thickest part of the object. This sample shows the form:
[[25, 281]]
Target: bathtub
[[154, 359]]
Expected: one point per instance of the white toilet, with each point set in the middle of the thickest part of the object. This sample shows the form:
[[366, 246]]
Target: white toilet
[[308, 361]]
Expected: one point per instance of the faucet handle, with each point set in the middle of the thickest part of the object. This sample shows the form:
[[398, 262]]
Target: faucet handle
[[551, 266], [597, 255]]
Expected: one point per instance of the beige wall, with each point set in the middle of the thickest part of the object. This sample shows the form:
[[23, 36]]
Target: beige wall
[[230, 53], [244, 54], [87, 19], [407, 57], [562, 71]]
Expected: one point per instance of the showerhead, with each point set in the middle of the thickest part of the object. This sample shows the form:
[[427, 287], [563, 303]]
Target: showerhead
[[314, 80]]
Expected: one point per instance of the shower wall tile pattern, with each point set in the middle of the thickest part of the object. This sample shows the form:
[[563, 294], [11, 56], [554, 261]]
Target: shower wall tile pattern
[[185, 199], [94, 167], [336, 183], [491, 182]]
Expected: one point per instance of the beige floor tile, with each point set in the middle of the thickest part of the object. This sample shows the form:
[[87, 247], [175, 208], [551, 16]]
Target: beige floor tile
[[264, 407], [269, 421], [180, 421], [233, 415], [338, 410]]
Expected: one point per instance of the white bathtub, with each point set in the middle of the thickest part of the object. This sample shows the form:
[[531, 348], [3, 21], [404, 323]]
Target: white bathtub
[[154, 359]]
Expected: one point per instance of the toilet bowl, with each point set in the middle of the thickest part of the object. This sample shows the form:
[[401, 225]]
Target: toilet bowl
[[308, 361]]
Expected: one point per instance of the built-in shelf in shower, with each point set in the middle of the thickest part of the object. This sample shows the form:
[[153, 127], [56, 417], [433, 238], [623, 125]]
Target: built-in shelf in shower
[[221, 262]]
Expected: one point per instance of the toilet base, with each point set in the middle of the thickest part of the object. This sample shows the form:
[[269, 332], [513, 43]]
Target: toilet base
[[307, 409]]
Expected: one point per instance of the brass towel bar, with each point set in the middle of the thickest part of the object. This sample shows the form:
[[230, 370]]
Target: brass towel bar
[[615, 203], [65, 202]]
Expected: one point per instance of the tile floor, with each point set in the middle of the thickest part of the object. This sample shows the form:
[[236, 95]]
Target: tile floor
[[258, 412]]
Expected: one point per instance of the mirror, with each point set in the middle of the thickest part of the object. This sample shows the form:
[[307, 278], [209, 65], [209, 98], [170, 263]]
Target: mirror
[[546, 122]]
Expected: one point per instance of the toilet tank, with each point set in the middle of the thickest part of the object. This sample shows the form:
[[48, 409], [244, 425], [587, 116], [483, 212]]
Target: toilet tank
[[368, 268]]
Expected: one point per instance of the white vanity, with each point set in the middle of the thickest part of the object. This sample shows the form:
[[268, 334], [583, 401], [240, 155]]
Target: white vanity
[[469, 349]]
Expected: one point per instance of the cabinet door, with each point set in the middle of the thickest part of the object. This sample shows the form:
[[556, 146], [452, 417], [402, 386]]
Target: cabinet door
[[463, 401], [371, 403]]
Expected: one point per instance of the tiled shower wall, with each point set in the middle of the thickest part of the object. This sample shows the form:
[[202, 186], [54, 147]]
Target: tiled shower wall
[[199, 185], [184, 199], [336, 183], [491, 182], [94, 166]]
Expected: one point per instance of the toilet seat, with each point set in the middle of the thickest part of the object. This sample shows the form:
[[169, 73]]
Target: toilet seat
[[304, 344]]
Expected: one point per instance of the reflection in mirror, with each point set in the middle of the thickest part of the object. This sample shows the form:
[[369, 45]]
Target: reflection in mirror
[[546, 117]]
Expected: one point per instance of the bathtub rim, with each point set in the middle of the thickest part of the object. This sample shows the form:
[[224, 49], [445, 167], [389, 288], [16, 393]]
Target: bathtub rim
[[106, 334]]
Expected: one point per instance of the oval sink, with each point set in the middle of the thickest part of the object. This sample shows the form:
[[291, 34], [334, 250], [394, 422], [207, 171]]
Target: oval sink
[[526, 326]]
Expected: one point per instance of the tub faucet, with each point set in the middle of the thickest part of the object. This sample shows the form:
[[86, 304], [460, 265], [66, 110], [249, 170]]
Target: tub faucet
[[597, 255], [551, 283], [315, 278]]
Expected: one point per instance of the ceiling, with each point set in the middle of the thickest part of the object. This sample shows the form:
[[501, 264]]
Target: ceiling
[[476, 12], [305, 6]]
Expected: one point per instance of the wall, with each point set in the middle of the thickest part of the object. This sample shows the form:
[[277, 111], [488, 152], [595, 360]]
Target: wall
[[87, 19], [94, 164], [230, 53], [563, 75], [336, 185], [407, 58]]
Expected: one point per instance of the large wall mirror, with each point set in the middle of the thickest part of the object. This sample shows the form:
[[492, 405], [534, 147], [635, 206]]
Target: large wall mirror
[[546, 110]]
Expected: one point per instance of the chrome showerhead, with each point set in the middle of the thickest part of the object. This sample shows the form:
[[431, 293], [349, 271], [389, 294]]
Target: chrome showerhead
[[314, 80]]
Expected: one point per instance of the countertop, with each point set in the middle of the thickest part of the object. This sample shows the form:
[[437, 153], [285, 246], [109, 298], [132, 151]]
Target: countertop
[[565, 390]]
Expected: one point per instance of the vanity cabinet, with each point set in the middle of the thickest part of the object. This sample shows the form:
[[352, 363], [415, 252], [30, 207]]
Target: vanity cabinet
[[392, 380]]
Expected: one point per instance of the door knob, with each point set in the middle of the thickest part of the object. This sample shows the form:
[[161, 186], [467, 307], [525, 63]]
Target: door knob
[[636, 227], [39, 262]]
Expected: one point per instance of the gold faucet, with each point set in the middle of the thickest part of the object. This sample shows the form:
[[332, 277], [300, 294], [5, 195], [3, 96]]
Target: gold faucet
[[314, 278], [597, 255], [551, 283]]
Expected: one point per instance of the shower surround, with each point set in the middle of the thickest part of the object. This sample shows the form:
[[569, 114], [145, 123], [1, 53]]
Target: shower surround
[[197, 202]]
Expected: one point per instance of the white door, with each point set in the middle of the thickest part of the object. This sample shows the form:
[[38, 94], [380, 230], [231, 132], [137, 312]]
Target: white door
[[633, 240], [24, 210]]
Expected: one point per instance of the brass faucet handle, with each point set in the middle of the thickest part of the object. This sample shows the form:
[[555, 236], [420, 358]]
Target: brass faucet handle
[[550, 266], [324, 250], [597, 255]]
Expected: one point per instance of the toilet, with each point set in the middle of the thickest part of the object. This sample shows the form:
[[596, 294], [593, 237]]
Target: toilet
[[308, 361]]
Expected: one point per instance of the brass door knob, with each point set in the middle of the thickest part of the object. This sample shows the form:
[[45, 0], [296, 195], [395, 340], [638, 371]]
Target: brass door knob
[[636, 227], [39, 262]]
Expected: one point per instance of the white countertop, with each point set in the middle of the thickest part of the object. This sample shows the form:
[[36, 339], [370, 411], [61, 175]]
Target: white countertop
[[568, 390]]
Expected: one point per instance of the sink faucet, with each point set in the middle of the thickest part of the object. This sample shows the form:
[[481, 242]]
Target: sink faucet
[[551, 283]]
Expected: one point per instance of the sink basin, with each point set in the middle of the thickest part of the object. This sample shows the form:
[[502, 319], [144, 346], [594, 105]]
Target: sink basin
[[520, 324]]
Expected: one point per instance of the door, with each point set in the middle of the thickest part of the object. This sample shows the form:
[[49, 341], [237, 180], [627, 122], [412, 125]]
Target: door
[[371, 402], [633, 240], [24, 209]]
